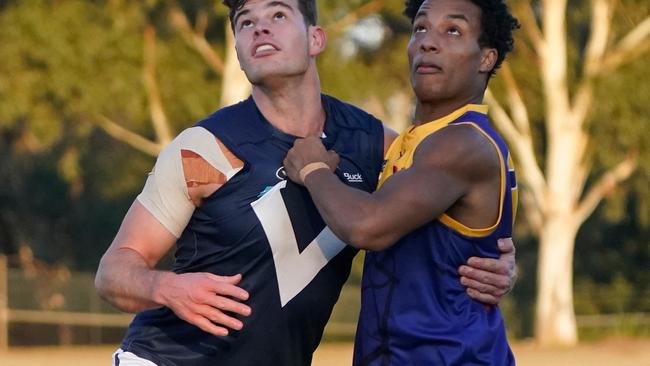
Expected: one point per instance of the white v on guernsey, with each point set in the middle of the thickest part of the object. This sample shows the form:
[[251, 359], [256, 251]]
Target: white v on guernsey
[[293, 285]]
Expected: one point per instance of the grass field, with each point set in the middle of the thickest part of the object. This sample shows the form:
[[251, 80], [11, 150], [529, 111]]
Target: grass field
[[609, 353]]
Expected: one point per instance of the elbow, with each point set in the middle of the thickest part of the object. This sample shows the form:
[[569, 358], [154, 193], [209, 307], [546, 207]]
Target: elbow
[[373, 244], [101, 285], [105, 283], [366, 235], [106, 290]]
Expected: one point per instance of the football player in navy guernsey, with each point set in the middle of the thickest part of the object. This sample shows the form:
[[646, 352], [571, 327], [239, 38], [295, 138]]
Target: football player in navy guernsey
[[447, 192], [256, 271]]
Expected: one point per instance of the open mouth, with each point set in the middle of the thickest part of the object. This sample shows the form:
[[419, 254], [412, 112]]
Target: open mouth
[[264, 49]]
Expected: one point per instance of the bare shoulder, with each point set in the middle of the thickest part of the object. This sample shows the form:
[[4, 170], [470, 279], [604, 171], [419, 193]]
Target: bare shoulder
[[460, 149]]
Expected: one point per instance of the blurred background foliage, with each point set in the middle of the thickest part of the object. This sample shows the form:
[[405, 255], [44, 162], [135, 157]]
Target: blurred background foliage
[[66, 184]]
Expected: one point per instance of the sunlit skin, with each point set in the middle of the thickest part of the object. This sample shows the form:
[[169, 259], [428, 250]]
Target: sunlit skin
[[277, 51], [272, 41], [447, 67], [448, 70]]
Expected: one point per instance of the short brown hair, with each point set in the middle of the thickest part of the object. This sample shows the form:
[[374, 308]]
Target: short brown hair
[[307, 8]]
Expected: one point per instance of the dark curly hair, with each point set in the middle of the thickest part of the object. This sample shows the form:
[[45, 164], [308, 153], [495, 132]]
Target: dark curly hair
[[497, 25], [307, 8]]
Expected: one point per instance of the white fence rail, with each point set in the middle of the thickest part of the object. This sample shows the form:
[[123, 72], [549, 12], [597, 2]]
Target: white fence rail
[[342, 324]]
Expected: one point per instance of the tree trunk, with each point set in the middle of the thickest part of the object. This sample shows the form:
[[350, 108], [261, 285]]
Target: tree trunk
[[234, 86], [555, 320]]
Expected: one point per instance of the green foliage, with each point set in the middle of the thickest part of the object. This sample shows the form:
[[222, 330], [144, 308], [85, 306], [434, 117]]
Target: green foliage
[[63, 64], [68, 184], [614, 259], [619, 128], [612, 250], [356, 81], [66, 64]]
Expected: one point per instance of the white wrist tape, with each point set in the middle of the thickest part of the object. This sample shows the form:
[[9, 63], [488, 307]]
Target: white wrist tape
[[310, 168]]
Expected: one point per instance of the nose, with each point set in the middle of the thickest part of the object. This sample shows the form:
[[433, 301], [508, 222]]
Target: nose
[[262, 28], [430, 43], [261, 31]]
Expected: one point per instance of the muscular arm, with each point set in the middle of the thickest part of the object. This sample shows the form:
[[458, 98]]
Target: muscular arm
[[127, 277], [447, 167], [486, 279]]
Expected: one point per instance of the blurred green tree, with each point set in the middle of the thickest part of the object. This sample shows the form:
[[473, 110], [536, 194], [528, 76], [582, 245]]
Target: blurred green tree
[[90, 91], [559, 130], [69, 67]]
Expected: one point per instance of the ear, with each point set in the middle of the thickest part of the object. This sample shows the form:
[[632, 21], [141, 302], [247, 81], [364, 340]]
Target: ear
[[488, 59], [317, 40]]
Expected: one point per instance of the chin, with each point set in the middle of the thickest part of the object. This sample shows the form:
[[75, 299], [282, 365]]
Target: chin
[[427, 86], [259, 76], [425, 94]]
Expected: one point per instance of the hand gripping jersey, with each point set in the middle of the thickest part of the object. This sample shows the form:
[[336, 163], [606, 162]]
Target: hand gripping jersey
[[414, 310], [267, 228]]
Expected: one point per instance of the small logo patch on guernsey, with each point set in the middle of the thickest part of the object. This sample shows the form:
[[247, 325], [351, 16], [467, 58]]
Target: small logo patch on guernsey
[[265, 191], [281, 174], [353, 178]]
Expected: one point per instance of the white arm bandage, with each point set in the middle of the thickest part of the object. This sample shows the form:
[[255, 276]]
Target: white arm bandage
[[165, 193]]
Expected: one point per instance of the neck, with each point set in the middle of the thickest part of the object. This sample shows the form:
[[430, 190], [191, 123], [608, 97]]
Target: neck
[[292, 105], [427, 111]]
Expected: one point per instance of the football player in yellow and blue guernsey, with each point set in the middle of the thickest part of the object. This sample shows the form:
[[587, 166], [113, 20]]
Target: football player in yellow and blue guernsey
[[446, 193], [256, 271]]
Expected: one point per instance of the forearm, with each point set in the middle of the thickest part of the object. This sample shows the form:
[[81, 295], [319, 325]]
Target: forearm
[[350, 213], [126, 281]]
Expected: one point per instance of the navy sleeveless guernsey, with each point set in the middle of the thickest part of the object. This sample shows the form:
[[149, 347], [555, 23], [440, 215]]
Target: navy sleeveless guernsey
[[267, 228]]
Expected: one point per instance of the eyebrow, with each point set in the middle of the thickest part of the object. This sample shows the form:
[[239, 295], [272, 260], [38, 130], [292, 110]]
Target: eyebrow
[[458, 16], [420, 14], [423, 14], [270, 5]]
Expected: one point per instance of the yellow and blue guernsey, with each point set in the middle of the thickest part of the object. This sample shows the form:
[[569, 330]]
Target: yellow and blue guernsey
[[414, 310]]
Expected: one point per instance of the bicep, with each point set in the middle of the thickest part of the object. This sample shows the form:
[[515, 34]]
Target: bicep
[[442, 174], [143, 233], [190, 168], [414, 197]]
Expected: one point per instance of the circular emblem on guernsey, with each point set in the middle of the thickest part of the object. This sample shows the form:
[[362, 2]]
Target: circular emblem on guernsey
[[281, 173]]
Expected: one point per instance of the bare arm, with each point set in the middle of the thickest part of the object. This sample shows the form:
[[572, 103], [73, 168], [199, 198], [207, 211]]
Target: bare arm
[[487, 279], [411, 198], [126, 278]]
